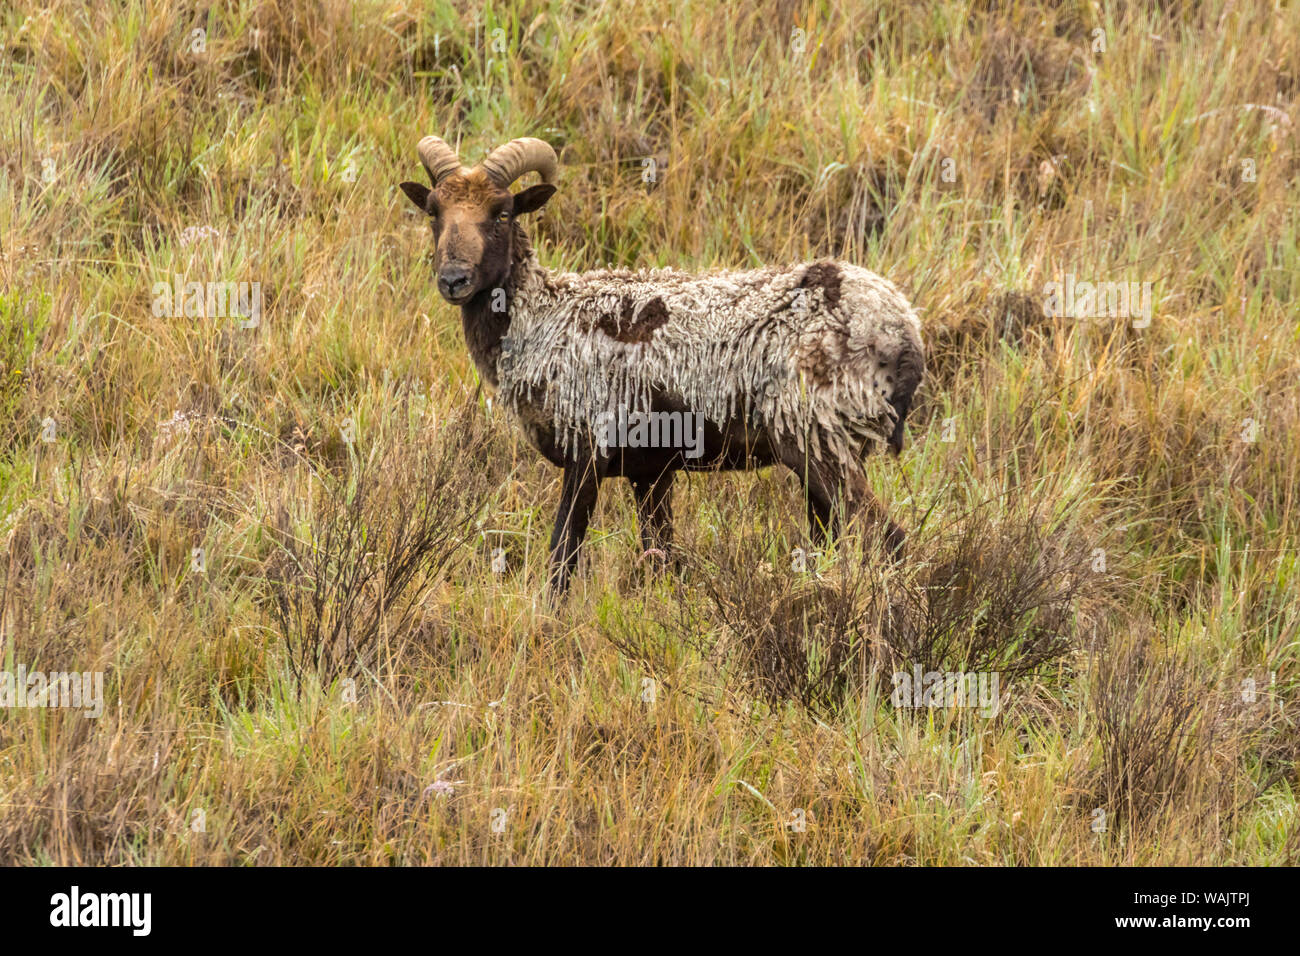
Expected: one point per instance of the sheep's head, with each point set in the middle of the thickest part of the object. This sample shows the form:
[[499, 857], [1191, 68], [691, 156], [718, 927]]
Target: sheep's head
[[473, 211]]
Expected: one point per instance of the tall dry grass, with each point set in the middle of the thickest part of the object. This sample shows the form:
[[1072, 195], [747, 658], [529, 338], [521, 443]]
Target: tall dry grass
[[308, 554]]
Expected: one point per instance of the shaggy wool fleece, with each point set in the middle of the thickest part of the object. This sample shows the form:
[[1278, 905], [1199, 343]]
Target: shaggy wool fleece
[[812, 353]]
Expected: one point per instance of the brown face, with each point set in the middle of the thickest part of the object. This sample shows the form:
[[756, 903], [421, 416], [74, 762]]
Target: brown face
[[472, 220]]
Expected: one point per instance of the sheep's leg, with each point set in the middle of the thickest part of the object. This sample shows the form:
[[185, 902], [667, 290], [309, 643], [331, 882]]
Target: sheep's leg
[[654, 512], [823, 493], [578, 491], [829, 488], [861, 501]]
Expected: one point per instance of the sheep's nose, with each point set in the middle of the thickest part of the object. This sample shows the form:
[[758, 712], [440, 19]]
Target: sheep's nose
[[453, 281]]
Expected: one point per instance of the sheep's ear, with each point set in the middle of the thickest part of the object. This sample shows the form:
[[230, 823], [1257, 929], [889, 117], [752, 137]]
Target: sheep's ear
[[533, 198], [417, 194]]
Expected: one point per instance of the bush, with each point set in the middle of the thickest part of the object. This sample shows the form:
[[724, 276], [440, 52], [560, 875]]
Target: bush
[[347, 576]]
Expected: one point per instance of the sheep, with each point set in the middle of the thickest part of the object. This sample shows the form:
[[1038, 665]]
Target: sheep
[[811, 366]]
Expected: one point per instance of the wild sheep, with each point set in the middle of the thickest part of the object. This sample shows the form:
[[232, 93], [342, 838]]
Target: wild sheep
[[810, 366]]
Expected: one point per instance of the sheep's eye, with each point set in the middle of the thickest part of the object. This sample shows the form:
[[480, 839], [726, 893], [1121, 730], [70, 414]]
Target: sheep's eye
[[503, 216]]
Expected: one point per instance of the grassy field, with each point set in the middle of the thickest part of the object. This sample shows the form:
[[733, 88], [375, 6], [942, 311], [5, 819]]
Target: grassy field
[[308, 555]]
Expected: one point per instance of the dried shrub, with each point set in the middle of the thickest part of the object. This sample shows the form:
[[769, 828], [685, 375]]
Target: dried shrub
[[982, 324], [353, 573], [1002, 595], [1011, 68], [996, 593], [797, 636], [1158, 723]]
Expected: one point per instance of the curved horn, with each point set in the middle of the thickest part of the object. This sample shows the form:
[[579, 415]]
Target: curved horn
[[507, 163], [438, 158]]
